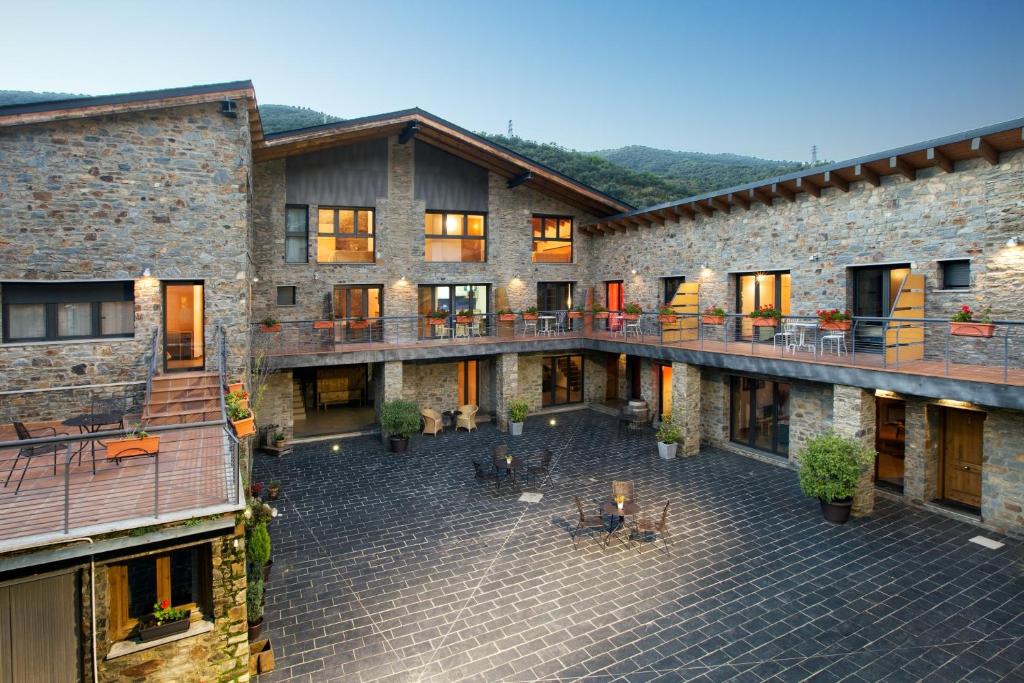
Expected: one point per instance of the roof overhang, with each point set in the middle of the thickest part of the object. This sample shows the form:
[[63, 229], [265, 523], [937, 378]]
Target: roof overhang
[[419, 124], [943, 153], [85, 107]]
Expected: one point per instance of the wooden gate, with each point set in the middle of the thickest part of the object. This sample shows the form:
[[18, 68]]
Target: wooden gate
[[904, 341], [962, 456], [686, 300], [39, 630]]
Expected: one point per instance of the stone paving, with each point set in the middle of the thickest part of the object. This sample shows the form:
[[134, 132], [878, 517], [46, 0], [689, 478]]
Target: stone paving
[[408, 569]]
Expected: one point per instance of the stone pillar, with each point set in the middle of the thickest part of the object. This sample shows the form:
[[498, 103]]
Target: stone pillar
[[276, 406], [506, 386], [686, 406], [392, 378], [853, 416], [917, 466]]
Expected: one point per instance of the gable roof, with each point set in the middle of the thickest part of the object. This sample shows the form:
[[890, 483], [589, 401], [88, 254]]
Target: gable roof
[[84, 107], [433, 130]]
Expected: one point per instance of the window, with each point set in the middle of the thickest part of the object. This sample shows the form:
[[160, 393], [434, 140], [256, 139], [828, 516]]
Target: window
[[670, 288], [59, 310], [755, 290], [760, 414], [296, 234], [359, 309], [344, 236], [956, 274], [552, 239], [562, 380], [554, 296], [458, 237], [286, 295], [875, 290], [182, 577], [451, 299]]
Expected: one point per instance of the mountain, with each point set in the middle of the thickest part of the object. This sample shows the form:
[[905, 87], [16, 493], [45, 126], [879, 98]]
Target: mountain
[[28, 96], [279, 117], [702, 172]]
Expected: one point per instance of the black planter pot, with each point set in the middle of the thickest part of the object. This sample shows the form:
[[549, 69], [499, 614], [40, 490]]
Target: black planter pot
[[838, 511], [266, 571], [399, 444], [151, 631], [255, 628]]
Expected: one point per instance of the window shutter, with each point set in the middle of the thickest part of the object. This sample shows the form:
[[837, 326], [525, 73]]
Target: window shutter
[[956, 274]]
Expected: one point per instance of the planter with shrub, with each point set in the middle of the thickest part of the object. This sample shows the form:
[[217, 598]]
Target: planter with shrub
[[834, 320], [667, 315], [399, 419], [830, 469], [164, 621], [270, 324], [254, 607], [531, 313], [965, 324], [713, 315], [668, 439], [506, 315], [632, 311], [517, 410], [766, 316]]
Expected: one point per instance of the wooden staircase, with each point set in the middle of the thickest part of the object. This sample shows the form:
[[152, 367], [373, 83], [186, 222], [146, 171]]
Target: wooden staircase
[[298, 404], [182, 398]]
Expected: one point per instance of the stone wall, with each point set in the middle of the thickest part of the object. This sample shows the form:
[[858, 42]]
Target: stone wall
[[530, 382], [276, 406], [714, 408], [102, 199], [595, 376], [1002, 478], [810, 414], [431, 385]]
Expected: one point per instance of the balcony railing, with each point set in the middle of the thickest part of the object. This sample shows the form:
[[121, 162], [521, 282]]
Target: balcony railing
[[924, 346]]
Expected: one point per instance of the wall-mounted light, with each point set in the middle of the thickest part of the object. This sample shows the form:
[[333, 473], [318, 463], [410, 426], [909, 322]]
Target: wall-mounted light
[[255, 279], [633, 271], [146, 272], [1014, 242], [402, 280]]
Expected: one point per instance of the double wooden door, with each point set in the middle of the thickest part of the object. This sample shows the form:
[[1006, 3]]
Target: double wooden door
[[962, 456]]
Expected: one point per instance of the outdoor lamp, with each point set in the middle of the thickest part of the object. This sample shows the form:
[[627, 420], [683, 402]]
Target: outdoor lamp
[[1013, 242]]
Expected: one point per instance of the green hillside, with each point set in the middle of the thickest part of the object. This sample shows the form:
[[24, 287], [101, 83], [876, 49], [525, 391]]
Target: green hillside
[[279, 117], [28, 96]]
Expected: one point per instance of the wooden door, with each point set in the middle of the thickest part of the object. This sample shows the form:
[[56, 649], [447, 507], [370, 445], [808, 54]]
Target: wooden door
[[611, 389], [685, 302], [39, 630], [962, 456]]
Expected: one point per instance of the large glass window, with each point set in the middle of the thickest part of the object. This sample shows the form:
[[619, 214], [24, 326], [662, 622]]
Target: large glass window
[[552, 239], [181, 577], [359, 307], [874, 293], [459, 237], [554, 296], [760, 414], [755, 290], [345, 235], [562, 380], [79, 310], [296, 234], [670, 286], [450, 299]]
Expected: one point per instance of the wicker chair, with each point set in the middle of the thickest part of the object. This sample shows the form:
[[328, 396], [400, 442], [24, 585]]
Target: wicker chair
[[466, 418], [623, 488], [588, 522], [657, 527], [432, 422], [533, 471]]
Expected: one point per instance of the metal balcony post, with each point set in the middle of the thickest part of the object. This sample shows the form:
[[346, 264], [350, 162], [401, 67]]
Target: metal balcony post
[[67, 489], [1006, 356], [853, 343], [945, 355], [885, 341], [898, 328], [156, 485]]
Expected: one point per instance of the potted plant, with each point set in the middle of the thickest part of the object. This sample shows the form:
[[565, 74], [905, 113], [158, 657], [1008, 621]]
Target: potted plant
[[766, 316], [506, 315], [273, 490], [257, 548], [241, 416], [834, 319], [667, 315], [517, 409], [270, 324], [254, 607], [255, 489], [575, 312], [632, 311], [599, 311], [464, 317], [240, 398], [964, 324], [136, 441], [399, 419], [358, 323], [830, 468], [279, 439], [668, 439], [713, 315], [164, 621], [437, 317], [323, 324], [530, 313], [234, 387]]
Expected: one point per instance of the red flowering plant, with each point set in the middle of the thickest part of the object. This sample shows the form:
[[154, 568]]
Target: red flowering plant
[[966, 315], [766, 311], [163, 613], [255, 489], [834, 315]]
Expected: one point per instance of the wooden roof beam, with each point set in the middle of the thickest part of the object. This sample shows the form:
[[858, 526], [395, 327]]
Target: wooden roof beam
[[939, 159], [722, 204], [780, 190], [900, 164], [805, 185], [757, 194], [697, 206], [837, 181], [867, 175], [519, 179], [741, 199], [982, 148]]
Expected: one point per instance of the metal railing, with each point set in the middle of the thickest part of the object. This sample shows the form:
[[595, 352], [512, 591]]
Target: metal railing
[[152, 362], [233, 462]]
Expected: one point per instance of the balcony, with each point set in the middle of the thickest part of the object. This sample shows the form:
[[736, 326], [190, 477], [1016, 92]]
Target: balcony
[[796, 346]]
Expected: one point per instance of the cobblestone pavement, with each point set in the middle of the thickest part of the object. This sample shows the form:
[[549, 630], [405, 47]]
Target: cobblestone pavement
[[406, 568]]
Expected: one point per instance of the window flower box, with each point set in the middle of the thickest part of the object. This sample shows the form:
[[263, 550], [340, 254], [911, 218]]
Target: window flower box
[[235, 387], [667, 319], [834, 320], [323, 324], [507, 317], [164, 621], [836, 325], [464, 319], [244, 427], [437, 318], [713, 319], [764, 322], [132, 446], [276, 327], [530, 316], [575, 315], [358, 324], [985, 330]]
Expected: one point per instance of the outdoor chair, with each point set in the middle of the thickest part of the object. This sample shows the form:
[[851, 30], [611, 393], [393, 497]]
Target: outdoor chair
[[836, 342], [657, 527], [466, 418], [632, 327], [483, 473], [527, 324], [787, 337], [29, 452], [588, 522], [541, 469], [559, 327], [623, 488], [499, 451], [432, 422]]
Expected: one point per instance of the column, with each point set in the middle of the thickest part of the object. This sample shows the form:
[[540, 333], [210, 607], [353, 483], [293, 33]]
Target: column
[[686, 406], [506, 383], [853, 416], [392, 380]]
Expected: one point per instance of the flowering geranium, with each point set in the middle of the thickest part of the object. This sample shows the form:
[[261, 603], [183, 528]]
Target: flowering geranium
[[966, 315], [766, 311], [163, 613]]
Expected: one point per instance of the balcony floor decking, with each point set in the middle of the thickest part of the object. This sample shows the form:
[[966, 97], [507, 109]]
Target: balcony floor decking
[[194, 471]]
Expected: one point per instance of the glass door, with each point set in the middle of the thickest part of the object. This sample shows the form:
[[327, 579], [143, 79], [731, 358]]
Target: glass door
[[359, 309], [451, 299], [615, 296], [562, 380], [760, 414], [874, 293], [554, 296], [184, 338], [754, 290]]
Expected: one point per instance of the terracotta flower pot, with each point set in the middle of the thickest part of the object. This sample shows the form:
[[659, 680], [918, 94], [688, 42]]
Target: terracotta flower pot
[[270, 328], [358, 324], [630, 316], [764, 322], [574, 315], [507, 317], [244, 427], [836, 325], [972, 329], [149, 630], [464, 319], [668, 319], [602, 315], [255, 628], [437, 321], [235, 387], [713, 319], [323, 324], [530, 316], [126, 448]]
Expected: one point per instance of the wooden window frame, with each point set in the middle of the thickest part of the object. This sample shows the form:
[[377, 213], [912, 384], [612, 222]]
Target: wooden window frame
[[50, 316], [296, 234], [572, 232], [444, 236], [119, 624], [336, 232], [554, 391]]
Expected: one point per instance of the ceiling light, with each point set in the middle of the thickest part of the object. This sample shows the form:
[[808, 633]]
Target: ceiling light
[[1013, 242], [146, 272]]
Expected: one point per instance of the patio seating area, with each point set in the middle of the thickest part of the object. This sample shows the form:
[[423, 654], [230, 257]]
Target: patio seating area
[[418, 567]]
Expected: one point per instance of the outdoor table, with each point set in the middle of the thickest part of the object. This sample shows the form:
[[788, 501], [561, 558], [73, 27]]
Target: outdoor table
[[629, 508], [546, 320], [449, 416], [90, 423], [510, 470], [803, 327]]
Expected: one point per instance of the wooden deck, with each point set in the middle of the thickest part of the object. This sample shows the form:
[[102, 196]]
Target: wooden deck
[[195, 472]]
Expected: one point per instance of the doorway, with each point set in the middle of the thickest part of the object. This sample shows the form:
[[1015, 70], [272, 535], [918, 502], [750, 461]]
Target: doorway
[[874, 293], [468, 383], [184, 336], [759, 414], [756, 290], [890, 438], [665, 391], [634, 377], [562, 380], [962, 434], [333, 400], [358, 303], [611, 370], [615, 298]]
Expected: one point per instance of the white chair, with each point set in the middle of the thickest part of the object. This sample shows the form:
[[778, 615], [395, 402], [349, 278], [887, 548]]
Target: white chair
[[787, 337], [632, 327], [527, 324], [466, 418], [560, 322], [836, 342]]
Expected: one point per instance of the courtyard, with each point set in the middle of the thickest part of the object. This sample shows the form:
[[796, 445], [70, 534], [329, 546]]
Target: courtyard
[[408, 568]]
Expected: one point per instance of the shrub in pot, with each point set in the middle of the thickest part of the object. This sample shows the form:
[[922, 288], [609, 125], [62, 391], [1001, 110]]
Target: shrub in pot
[[632, 311], [258, 544], [531, 313], [164, 621], [254, 607], [833, 319], [965, 324], [667, 315], [270, 324], [399, 419], [506, 315], [830, 468], [517, 409], [766, 316], [668, 439], [599, 311], [713, 315]]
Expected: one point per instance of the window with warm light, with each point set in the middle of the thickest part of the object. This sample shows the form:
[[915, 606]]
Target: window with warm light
[[455, 237], [552, 239], [345, 235]]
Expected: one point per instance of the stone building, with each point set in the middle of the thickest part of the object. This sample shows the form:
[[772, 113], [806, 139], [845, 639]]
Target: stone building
[[398, 256]]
